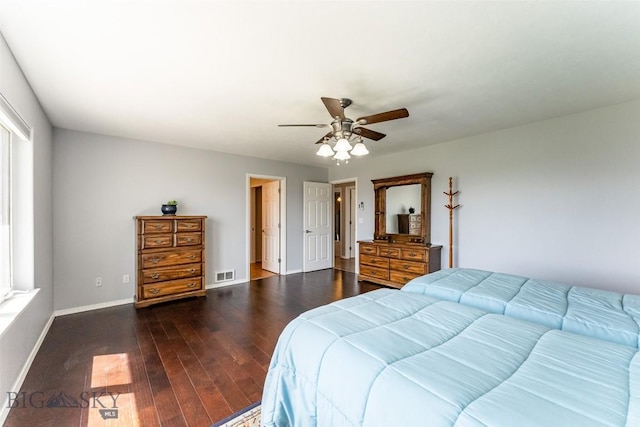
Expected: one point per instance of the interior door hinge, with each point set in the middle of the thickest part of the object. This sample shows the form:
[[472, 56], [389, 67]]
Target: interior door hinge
[[279, 261]]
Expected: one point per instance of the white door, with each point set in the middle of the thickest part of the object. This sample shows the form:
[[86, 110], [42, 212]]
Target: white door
[[318, 241], [271, 226]]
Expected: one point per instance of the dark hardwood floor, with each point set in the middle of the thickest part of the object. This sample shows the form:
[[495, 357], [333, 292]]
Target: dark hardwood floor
[[183, 363]]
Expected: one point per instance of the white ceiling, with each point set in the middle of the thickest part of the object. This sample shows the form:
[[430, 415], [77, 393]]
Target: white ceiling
[[221, 75]]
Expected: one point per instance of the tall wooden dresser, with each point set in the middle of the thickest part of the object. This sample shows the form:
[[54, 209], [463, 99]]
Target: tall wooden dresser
[[171, 258]]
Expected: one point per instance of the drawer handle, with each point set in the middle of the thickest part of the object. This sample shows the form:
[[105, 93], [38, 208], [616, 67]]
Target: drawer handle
[[193, 270], [158, 241], [155, 276], [154, 260], [154, 291], [192, 256], [191, 285], [406, 267], [412, 254], [374, 273], [158, 226], [189, 239]]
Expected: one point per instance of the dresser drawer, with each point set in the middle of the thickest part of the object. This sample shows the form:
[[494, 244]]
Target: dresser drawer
[[368, 249], [158, 226], [402, 277], [189, 225], [390, 252], [171, 287], [374, 261], [414, 254], [379, 273], [161, 259], [151, 241], [153, 275], [408, 266], [187, 239]]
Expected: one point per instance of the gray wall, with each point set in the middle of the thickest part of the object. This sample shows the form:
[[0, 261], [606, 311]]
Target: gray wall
[[101, 183], [19, 340], [555, 200]]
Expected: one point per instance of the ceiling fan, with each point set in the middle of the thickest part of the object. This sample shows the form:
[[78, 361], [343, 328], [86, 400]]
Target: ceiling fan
[[345, 130]]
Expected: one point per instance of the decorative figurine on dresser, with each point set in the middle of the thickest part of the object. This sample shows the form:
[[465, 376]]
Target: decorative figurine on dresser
[[401, 248], [171, 258]]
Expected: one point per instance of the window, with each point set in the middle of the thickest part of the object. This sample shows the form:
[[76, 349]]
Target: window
[[6, 282], [16, 215]]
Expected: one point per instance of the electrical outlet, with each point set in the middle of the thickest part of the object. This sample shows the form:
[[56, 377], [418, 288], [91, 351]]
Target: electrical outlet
[[125, 278], [98, 281]]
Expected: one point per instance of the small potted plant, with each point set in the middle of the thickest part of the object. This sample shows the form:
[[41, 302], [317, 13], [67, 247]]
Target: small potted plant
[[411, 210], [170, 208]]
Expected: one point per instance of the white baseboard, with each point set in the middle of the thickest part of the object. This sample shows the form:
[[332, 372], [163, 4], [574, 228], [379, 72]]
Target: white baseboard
[[98, 306], [224, 284], [4, 411], [293, 271]]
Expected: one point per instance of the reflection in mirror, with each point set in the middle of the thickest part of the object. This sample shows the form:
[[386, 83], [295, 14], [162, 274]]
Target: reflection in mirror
[[399, 200]]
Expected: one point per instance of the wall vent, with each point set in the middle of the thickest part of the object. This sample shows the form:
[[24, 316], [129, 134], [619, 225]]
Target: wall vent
[[224, 276]]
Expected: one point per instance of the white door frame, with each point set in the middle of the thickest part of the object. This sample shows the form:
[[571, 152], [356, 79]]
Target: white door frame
[[283, 221], [352, 214], [355, 228]]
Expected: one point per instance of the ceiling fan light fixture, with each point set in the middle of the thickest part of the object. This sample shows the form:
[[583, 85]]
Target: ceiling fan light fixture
[[325, 150], [359, 149], [342, 145], [346, 131]]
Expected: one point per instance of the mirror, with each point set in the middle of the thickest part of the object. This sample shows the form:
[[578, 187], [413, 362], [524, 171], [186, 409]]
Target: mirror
[[402, 208], [402, 201]]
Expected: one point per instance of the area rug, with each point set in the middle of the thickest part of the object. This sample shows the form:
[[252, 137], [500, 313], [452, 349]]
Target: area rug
[[247, 417]]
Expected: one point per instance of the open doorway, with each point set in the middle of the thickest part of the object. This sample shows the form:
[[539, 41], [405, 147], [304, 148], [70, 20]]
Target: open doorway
[[344, 203], [265, 226]]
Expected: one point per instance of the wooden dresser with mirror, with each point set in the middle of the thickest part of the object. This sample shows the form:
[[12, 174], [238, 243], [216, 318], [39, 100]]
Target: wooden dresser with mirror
[[401, 248]]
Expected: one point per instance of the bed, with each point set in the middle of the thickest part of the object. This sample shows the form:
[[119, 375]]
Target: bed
[[405, 358]]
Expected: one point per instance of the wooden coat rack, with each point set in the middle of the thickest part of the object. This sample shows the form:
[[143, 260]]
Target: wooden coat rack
[[451, 209]]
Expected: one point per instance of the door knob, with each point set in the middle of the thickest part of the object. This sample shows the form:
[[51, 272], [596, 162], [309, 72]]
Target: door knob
[[307, 231]]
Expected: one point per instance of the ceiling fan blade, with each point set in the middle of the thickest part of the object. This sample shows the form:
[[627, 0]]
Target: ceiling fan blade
[[384, 117], [334, 106], [319, 125], [321, 140], [368, 133]]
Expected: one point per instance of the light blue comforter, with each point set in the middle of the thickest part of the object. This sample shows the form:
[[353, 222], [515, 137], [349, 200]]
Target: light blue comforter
[[602, 314], [393, 358]]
